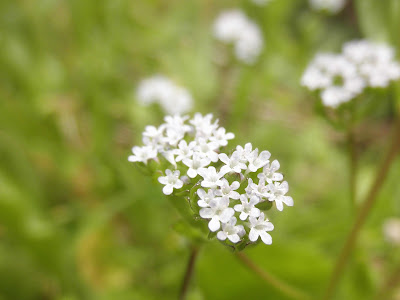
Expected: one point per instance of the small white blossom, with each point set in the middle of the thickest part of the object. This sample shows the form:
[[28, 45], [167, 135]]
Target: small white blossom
[[257, 161], [221, 137], [277, 192], [205, 197], [259, 227], [171, 181], [260, 190], [247, 208], [142, 154], [196, 163], [219, 211], [244, 152], [228, 190], [269, 173], [232, 164], [231, 232], [207, 149], [212, 178], [184, 150], [203, 125]]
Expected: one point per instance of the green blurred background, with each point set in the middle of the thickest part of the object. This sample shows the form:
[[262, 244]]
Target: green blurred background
[[78, 221]]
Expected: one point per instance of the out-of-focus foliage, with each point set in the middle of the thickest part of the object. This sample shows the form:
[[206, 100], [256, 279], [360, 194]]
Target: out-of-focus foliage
[[77, 221]]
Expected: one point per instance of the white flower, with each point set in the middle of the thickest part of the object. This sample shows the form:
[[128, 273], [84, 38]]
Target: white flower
[[184, 150], [219, 211], [247, 208], [171, 97], [142, 154], [391, 231], [277, 193], [332, 6], [212, 179], [203, 125], [205, 198], [171, 181], [221, 137], [269, 173], [228, 190], [207, 149], [258, 161], [232, 164], [244, 153], [153, 136], [260, 190], [196, 163], [259, 227], [234, 27], [230, 231]]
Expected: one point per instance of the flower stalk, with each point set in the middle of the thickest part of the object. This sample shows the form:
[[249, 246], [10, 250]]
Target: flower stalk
[[188, 273], [364, 212]]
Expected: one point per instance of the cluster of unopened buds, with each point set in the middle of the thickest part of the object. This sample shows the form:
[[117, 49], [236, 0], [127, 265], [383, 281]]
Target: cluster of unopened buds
[[232, 192]]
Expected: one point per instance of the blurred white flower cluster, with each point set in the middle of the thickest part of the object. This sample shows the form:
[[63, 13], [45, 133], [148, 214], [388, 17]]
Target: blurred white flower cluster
[[224, 186], [261, 2], [391, 231], [158, 89], [234, 27], [342, 77], [331, 6]]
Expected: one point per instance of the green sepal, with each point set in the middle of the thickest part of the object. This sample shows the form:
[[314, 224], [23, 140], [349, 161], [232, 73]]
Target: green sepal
[[265, 205]]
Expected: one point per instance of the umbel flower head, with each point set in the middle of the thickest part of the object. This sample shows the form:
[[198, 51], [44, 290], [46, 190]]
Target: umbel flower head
[[229, 192], [341, 77], [233, 27], [172, 98]]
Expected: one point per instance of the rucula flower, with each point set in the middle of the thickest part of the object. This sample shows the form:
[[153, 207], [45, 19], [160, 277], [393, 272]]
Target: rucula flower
[[277, 192], [171, 181], [230, 231], [269, 173], [221, 137], [211, 178], [232, 164], [228, 190], [244, 152], [259, 227], [142, 154], [219, 211], [257, 161], [196, 163], [260, 190], [207, 149], [247, 208], [184, 150], [205, 197]]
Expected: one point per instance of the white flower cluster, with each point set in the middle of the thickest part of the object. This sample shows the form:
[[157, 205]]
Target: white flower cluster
[[342, 77], [158, 89], [233, 26], [228, 196], [331, 6]]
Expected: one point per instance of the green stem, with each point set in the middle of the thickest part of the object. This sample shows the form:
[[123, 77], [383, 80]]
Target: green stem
[[353, 163], [272, 280], [363, 213], [188, 273]]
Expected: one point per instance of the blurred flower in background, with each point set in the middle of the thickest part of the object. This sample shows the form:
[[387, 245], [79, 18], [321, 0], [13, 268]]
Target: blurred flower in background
[[391, 231], [159, 89], [235, 28], [331, 6]]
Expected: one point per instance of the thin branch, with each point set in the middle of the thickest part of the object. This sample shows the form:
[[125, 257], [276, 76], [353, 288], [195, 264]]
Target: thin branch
[[188, 273], [353, 164], [363, 212], [272, 280]]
